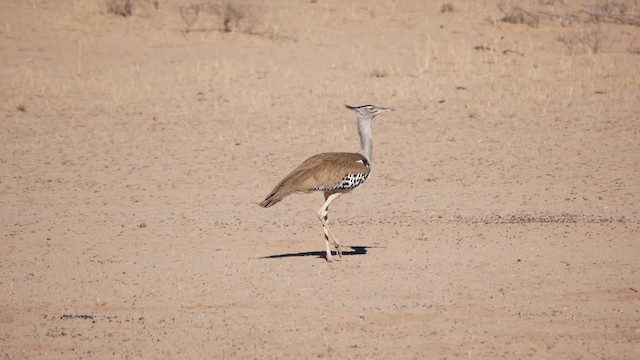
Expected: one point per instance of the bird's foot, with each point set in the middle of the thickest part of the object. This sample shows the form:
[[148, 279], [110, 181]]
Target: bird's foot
[[338, 250], [328, 257], [329, 253]]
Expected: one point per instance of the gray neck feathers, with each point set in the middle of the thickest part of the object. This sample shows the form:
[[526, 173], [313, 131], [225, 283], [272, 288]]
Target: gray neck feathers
[[364, 129]]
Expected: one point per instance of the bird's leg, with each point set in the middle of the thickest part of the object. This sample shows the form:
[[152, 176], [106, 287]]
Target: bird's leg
[[325, 215], [327, 239], [336, 243], [322, 213]]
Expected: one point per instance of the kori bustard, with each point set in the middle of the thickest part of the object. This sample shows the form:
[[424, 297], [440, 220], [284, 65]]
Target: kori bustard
[[334, 173]]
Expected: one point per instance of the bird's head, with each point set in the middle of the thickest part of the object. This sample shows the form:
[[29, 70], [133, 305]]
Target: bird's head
[[369, 111]]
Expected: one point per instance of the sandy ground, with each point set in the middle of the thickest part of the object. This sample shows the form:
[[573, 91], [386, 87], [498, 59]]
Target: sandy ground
[[501, 219]]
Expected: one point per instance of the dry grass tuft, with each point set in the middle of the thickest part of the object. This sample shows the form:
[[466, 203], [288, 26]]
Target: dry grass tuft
[[515, 14], [447, 7], [126, 7], [378, 73], [592, 41]]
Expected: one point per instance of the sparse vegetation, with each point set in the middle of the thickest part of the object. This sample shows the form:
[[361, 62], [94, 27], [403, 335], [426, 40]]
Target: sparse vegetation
[[502, 216], [603, 11], [614, 12], [588, 18]]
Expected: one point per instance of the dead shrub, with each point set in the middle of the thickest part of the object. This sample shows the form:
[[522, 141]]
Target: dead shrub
[[521, 18], [233, 15], [601, 11], [189, 13], [120, 7]]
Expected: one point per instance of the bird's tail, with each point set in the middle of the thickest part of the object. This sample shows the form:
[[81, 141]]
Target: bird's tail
[[292, 183], [272, 199]]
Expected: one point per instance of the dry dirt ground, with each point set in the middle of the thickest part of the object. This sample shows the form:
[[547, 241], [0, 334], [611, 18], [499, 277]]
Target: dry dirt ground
[[501, 219]]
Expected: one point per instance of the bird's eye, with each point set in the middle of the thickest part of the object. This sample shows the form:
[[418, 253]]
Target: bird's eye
[[370, 108]]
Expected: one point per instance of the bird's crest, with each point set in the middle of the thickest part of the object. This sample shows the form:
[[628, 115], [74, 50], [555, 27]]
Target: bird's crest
[[368, 110]]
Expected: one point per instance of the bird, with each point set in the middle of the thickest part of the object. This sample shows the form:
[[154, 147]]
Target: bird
[[333, 173]]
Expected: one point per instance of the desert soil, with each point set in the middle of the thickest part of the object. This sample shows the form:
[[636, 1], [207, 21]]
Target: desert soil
[[501, 218]]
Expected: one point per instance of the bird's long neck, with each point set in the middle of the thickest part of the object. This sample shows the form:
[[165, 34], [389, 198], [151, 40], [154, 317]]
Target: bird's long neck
[[366, 145]]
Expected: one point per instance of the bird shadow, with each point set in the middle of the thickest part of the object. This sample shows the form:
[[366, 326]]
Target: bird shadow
[[355, 250]]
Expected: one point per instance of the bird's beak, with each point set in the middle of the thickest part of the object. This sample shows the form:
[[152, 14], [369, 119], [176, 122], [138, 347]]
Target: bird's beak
[[387, 109]]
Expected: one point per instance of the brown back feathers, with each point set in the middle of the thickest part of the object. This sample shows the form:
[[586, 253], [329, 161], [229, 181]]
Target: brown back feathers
[[319, 172]]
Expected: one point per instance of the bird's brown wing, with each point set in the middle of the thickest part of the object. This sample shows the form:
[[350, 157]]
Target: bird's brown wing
[[322, 171]]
